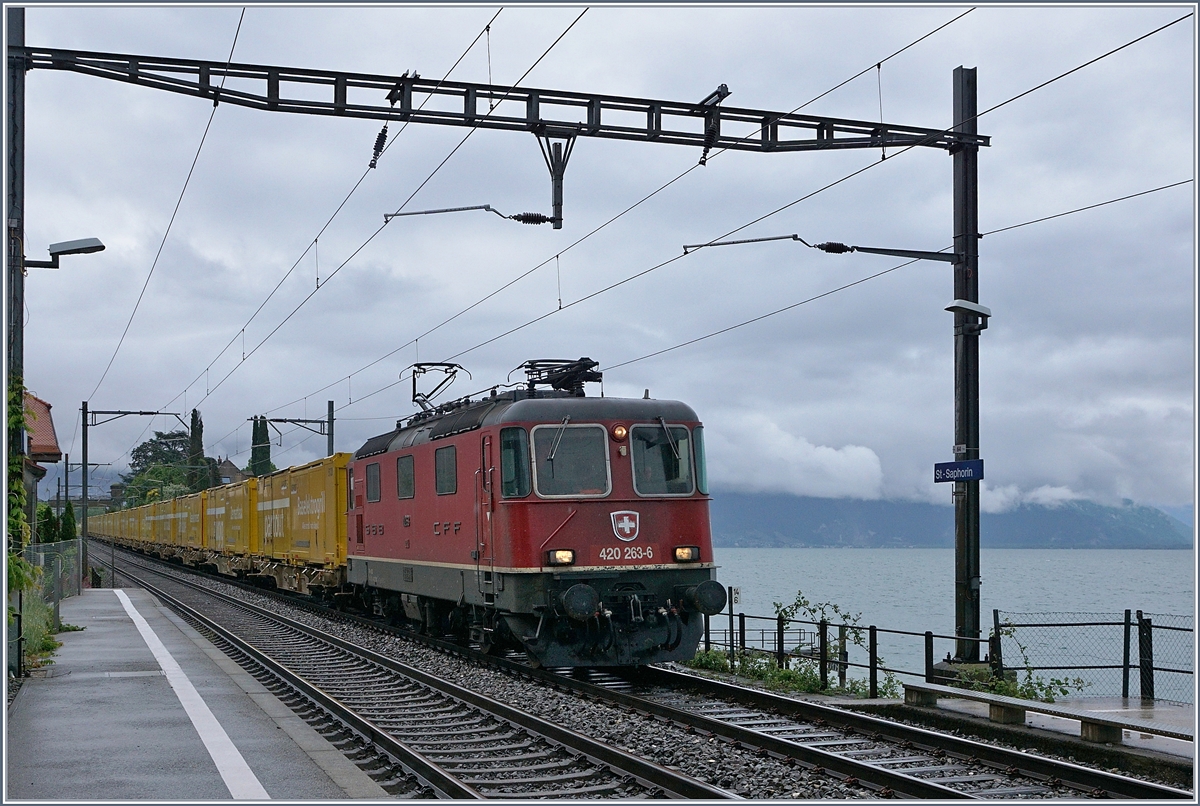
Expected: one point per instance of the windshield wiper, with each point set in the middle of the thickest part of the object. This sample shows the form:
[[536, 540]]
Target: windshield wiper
[[670, 439], [558, 438]]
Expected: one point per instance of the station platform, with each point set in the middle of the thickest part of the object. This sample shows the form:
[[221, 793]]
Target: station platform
[[139, 706]]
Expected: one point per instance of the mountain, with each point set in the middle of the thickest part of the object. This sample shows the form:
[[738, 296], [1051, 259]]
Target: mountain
[[769, 519]]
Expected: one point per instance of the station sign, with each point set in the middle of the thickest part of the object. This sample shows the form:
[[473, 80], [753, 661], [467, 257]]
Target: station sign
[[969, 470]]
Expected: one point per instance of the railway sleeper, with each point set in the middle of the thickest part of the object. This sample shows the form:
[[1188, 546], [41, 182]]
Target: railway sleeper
[[511, 734], [598, 790], [506, 759], [579, 775], [477, 770]]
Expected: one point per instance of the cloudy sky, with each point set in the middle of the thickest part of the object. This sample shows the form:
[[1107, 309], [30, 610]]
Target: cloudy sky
[[1087, 368]]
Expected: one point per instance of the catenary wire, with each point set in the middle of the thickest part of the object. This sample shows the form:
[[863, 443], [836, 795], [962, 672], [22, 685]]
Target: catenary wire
[[330, 220], [241, 331], [985, 112], [614, 218], [669, 261], [880, 274], [370, 238], [786, 308], [166, 233]]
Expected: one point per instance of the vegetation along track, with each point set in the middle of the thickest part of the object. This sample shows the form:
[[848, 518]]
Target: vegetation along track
[[446, 741], [873, 756]]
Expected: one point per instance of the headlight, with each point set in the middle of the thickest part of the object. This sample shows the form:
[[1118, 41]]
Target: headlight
[[687, 554], [560, 557], [619, 432]]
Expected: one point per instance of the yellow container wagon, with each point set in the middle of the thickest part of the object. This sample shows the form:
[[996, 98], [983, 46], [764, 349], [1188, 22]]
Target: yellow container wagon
[[302, 523], [231, 526]]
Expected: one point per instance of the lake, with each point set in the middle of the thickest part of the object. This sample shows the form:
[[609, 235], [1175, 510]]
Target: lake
[[913, 589]]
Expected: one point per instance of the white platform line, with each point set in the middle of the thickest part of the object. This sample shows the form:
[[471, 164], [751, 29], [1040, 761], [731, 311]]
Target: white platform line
[[241, 781]]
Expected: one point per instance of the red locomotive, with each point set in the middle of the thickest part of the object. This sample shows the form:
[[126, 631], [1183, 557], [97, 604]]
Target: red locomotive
[[573, 527]]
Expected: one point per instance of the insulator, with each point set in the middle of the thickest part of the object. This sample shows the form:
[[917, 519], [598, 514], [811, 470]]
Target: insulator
[[380, 142], [834, 248], [532, 218]]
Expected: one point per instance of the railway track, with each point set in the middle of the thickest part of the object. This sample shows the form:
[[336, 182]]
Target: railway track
[[884, 758], [430, 737]]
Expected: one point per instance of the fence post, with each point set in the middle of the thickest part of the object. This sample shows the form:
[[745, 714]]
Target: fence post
[[1146, 656], [57, 590], [742, 632], [823, 651], [707, 635], [929, 657], [997, 656], [780, 652], [1125, 666], [732, 656], [843, 656], [873, 652]]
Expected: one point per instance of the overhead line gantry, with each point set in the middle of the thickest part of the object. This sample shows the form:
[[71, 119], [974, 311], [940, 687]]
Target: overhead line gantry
[[555, 117]]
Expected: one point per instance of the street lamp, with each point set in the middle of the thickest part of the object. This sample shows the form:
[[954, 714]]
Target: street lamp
[[83, 246]]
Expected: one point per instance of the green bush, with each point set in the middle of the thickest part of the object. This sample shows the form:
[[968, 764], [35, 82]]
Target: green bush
[[712, 660]]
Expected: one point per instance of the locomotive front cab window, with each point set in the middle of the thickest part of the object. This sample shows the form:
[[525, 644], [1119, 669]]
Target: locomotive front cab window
[[662, 459], [571, 460], [373, 482], [406, 477], [445, 463], [514, 463]]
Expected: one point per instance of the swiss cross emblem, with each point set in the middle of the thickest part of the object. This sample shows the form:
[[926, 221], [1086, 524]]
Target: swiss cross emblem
[[625, 524]]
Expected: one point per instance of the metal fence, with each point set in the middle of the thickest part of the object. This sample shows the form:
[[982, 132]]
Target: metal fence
[[1145, 655], [832, 648], [60, 577], [1115, 654]]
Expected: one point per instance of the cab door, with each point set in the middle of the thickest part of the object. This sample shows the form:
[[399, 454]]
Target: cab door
[[484, 554]]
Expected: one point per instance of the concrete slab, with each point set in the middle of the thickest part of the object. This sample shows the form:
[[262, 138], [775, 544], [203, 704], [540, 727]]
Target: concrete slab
[[105, 723]]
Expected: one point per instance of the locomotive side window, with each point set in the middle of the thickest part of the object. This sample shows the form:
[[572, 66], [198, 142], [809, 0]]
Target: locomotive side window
[[373, 482], [662, 460], [571, 460], [446, 470], [701, 460], [406, 477], [514, 463]]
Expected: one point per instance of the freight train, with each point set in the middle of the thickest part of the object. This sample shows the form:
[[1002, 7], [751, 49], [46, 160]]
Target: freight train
[[575, 528]]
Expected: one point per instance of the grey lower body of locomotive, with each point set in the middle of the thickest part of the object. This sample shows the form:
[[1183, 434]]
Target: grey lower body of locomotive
[[568, 618]]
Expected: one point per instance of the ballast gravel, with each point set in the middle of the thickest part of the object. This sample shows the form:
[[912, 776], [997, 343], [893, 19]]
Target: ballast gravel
[[707, 759]]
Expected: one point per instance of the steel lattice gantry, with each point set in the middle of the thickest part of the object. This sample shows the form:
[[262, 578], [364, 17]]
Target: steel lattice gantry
[[554, 116]]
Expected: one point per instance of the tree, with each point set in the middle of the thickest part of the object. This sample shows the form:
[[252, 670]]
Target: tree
[[260, 449], [66, 528], [198, 474], [48, 528], [164, 449]]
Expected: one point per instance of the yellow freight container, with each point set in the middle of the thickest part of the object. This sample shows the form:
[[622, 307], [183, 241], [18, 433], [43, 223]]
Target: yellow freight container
[[162, 519], [301, 513], [189, 515], [319, 514], [230, 525]]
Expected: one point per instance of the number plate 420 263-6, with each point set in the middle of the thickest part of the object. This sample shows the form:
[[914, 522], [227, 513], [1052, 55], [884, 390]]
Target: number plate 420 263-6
[[610, 553]]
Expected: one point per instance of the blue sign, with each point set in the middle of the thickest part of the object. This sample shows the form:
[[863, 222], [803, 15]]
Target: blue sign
[[971, 470]]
